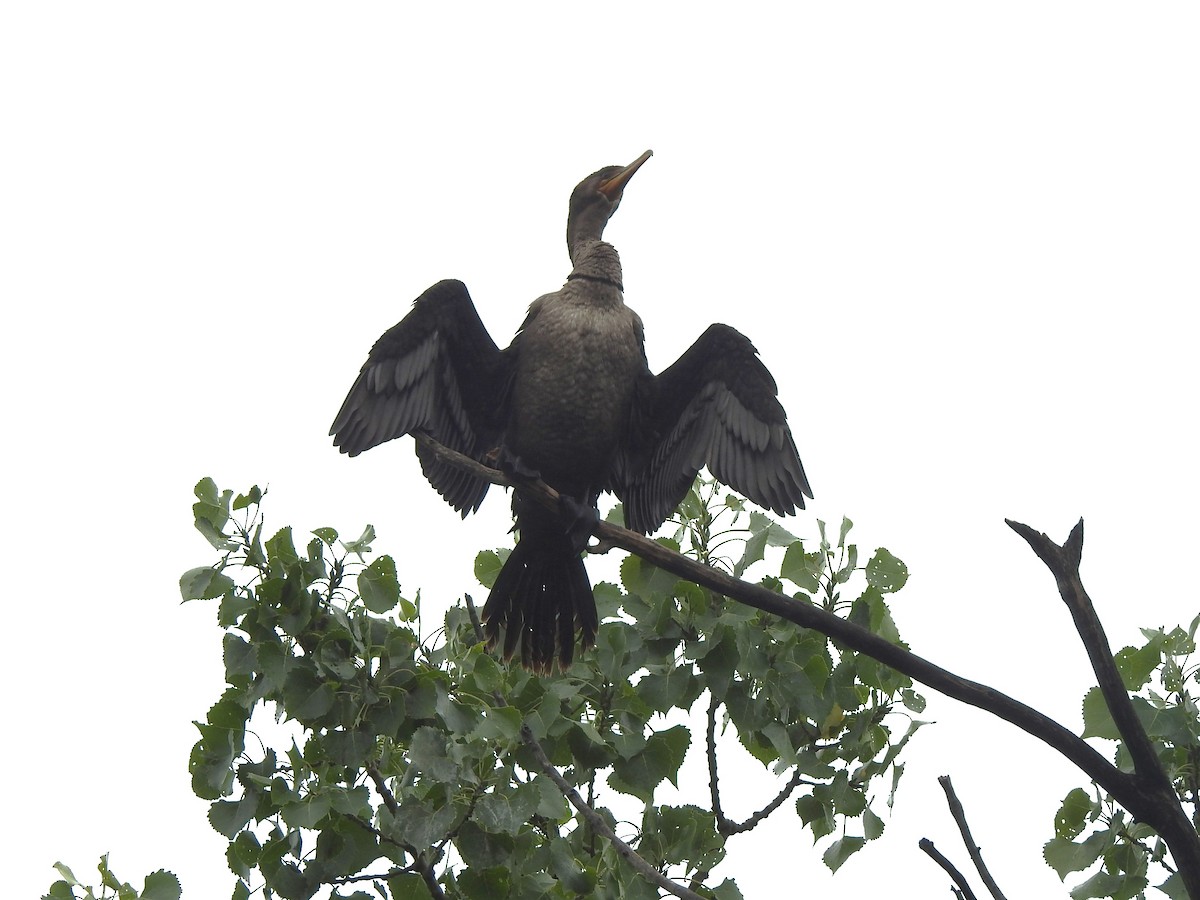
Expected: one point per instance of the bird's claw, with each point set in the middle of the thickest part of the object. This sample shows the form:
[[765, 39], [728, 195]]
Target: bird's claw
[[581, 519], [512, 465]]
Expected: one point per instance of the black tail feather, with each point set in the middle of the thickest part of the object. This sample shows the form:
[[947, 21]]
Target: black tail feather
[[541, 597]]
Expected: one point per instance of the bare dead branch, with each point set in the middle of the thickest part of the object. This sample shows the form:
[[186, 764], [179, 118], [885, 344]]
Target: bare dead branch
[[1063, 563], [960, 817], [1151, 797], [964, 889]]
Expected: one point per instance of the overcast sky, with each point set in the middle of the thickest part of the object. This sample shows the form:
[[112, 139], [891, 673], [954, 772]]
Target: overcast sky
[[963, 238]]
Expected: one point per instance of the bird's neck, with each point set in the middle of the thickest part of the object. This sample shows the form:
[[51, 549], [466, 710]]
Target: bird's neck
[[584, 228], [596, 263]]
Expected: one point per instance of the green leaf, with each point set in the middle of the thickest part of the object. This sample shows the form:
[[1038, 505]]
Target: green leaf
[[349, 747], [228, 817], [756, 544], [306, 813], [681, 834], [250, 498], [1071, 816], [566, 869], [408, 886], [885, 572], [211, 513], [419, 823], [505, 812], [1136, 665], [487, 566], [659, 760], [345, 847], [1173, 887], [239, 655], [429, 754], [803, 569], [499, 723], [1065, 856], [204, 583], [872, 825], [841, 850], [485, 884], [281, 552], [161, 885], [306, 697], [646, 579], [1097, 720], [362, 544], [327, 535], [378, 586], [243, 853], [1104, 884], [664, 691], [482, 848], [845, 530]]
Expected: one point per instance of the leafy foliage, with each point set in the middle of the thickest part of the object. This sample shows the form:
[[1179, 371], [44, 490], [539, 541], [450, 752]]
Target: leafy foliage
[[415, 756], [158, 885], [1090, 828]]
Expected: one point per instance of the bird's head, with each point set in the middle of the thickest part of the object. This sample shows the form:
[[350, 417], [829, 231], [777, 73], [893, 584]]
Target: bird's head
[[595, 199]]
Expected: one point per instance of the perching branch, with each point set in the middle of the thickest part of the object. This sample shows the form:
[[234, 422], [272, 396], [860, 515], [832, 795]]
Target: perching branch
[[594, 820], [1149, 800], [960, 817]]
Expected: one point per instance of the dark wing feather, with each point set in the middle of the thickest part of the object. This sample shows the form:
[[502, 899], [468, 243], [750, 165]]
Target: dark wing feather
[[438, 372], [716, 407]]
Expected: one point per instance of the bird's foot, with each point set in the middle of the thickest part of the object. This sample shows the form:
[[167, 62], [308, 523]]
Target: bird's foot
[[512, 465], [581, 519], [600, 546]]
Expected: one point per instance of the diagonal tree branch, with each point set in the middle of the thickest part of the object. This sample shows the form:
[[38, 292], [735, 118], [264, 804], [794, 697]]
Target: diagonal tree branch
[[964, 889], [1063, 563], [1153, 799], [960, 816], [854, 636], [1146, 800]]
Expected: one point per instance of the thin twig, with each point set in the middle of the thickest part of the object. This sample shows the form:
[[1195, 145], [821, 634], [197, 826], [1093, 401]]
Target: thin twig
[[596, 822], [960, 817], [593, 819], [726, 825], [420, 864], [964, 889]]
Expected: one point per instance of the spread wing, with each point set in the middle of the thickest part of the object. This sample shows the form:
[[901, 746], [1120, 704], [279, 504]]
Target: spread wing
[[437, 371], [716, 406]]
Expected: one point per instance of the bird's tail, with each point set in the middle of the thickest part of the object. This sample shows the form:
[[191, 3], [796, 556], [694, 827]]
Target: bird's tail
[[542, 595]]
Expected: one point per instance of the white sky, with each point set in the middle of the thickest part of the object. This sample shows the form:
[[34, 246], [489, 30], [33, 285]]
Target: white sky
[[962, 237]]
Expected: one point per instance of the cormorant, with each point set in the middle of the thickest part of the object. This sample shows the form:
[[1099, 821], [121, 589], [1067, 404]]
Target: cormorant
[[573, 400]]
